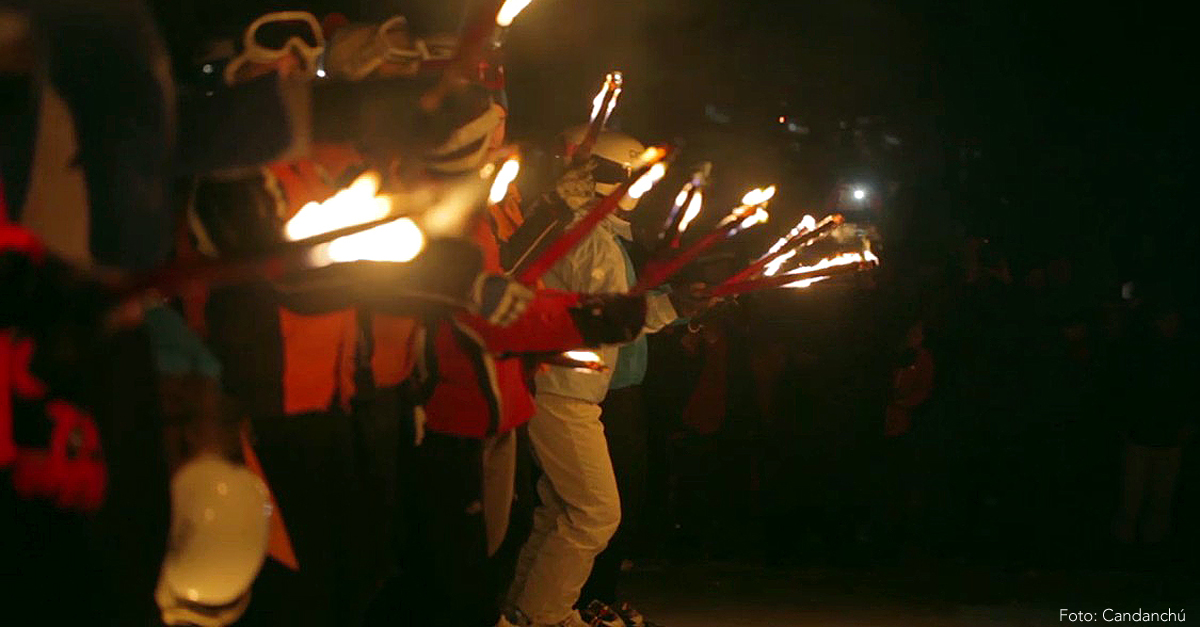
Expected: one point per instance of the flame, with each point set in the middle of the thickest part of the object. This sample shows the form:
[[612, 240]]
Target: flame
[[774, 265], [807, 223], [612, 81], [650, 155], [612, 104], [867, 254], [647, 180], [504, 178], [758, 196], [693, 210], [584, 356], [400, 240], [356, 204], [843, 259], [759, 216], [509, 11], [682, 195]]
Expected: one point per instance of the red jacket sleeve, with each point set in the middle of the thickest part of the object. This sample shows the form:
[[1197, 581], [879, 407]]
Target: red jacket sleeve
[[546, 327]]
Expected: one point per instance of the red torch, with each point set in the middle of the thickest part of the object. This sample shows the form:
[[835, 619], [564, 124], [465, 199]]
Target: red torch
[[845, 263], [751, 212], [686, 207], [602, 107], [480, 29], [653, 167], [805, 233]]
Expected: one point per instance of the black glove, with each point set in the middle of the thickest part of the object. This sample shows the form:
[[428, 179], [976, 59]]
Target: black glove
[[610, 318], [500, 300]]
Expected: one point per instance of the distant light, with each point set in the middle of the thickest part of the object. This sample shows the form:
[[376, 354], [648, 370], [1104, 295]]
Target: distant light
[[860, 194], [320, 73], [782, 119], [207, 69]]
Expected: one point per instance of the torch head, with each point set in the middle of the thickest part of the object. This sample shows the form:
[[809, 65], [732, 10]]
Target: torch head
[[614, 155]]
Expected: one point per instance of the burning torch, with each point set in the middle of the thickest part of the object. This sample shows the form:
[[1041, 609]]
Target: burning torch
[[602, 107], [686, 207], [806, 232], [804, 276], [652, 166], [480, 30], [752, 211], [357, 223], [548, 215]]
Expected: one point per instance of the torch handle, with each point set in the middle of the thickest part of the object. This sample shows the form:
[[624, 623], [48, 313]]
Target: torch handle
[[271, 263], [800, 239], [580, 154], [575, 234], [657, 273], [741, 287], [478, 31], [670, 236]]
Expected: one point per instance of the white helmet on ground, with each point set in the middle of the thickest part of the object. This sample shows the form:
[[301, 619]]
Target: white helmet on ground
[[613, 156], [219, 516]]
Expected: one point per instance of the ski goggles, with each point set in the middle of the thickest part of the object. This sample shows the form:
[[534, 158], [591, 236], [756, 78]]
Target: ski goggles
[[609, 172], [275, 36], [358, 50]]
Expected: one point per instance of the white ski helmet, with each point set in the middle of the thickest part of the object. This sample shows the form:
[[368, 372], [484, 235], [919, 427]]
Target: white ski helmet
[[613, 154], [219, 516]]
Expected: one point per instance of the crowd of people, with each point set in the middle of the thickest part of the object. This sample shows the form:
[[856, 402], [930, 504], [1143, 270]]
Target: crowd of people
[[262, 362], [266, 357], [954, 408]]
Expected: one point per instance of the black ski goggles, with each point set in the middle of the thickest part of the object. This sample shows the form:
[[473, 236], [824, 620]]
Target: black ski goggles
[[609, 172]]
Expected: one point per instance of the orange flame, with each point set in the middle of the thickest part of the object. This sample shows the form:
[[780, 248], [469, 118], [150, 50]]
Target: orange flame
[[509, 11], [808, 223], [758, 196], [507, 174], [359, 203], [647, 180], [612, 81], [843, 259], [693, 210]]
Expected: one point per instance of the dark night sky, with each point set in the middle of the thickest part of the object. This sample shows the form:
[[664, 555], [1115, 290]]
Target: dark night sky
[[1080, 111]]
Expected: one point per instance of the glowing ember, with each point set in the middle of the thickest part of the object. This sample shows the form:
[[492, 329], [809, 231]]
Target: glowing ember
[[508, 174], [400, 240], [693, 210], [647, 181], [509, 11]]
